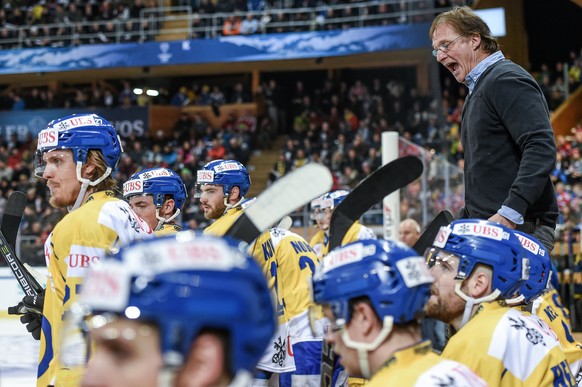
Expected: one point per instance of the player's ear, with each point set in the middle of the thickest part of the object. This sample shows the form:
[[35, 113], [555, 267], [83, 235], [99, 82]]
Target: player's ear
[[365, 317], [235, 194], [168, 207], [479, 284], [88, 170]]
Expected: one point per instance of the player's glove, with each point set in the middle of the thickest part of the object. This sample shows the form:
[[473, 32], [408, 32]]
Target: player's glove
[[30, 309]]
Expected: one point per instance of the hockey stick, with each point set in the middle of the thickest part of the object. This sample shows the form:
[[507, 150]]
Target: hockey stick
[[430, 232], [12, 217], [10, 224], [381, 183], [292, 191], [390, 177]]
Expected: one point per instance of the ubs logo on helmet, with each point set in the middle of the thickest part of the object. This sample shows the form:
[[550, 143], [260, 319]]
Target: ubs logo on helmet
[[205, 176], [132, 186], [48, 137]]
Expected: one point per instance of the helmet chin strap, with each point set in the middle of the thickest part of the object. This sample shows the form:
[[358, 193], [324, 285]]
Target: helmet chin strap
[[364, 348], [516, 301], [471, 302], [162, 220], [85, 183], [229, 206]]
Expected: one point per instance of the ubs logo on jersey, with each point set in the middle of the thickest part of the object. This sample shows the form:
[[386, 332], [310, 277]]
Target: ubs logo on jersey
[[81, 258]]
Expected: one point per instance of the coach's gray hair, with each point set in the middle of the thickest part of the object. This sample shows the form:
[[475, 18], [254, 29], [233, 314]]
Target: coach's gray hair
[[467, 23]]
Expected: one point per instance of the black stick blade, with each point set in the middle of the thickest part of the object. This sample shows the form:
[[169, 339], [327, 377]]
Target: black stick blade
[[373, 189]]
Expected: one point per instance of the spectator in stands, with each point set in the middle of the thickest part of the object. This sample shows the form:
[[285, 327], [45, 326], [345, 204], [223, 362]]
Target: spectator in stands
[[18, 103], [216, 96], [217, 151], [507, 172], [231, 26], [34, 101], [280, 168], [204, 97], [249, 25], [180, 98], [239, 94], [198, 27], [126, 95], [184, 127]]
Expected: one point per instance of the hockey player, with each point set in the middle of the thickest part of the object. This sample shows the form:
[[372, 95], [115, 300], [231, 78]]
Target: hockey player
[[157, 195], [321, 211], [221, 186], [537, 295], [477, 265], [179, 310], [294, 357], [373, 293], [76, 155]]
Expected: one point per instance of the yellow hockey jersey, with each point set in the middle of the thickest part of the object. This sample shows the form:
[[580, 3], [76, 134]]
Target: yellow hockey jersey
[[320, 241], [549, 308], [79, 240], [167, 229], [419, 366], [507, 347], [288, 261]]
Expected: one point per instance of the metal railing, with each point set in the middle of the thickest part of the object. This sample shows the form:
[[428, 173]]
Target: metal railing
[[153, 23]]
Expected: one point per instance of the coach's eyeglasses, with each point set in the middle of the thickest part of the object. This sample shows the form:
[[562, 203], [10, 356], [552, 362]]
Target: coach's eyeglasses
[[444, 48]]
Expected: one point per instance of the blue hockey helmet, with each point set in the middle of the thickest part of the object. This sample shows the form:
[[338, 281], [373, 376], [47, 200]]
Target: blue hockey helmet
[[156, 182], [390, 274], [329, 200], [79, 133], [185, 283], [476, 242], [540, 267], [227, 173]]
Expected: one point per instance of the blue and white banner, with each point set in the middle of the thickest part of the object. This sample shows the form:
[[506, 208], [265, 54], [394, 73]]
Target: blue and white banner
[[127, 121], [227, 49]]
